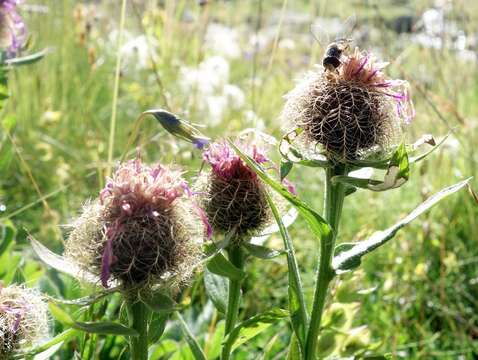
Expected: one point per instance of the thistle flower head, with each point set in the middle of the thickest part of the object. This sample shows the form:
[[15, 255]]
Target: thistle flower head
[[228, 165], [23, 319], [12, 28], [350, 111], [142, 230], [234, 197]]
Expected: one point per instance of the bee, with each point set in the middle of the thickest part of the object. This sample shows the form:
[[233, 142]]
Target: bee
[[335, 50], [334, 53]]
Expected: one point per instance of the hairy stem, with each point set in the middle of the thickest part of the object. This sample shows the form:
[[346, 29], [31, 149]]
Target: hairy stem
[[334, 198], [138, 317], [236, 257]]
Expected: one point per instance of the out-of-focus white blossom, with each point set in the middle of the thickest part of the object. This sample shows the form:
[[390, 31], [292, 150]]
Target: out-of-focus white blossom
[[235, 96], [211, 93], [222, 40], [434, 21], [208, 78], [253, 120], [138, 52]]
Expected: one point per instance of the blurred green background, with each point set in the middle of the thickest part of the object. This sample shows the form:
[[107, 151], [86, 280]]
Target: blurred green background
[[226, 65]]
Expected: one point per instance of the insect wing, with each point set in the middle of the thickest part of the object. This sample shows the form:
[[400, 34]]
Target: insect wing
[[320, 33], [347, 28]]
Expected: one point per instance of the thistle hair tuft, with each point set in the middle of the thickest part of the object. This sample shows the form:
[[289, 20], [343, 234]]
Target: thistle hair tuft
[[350, 111], [23, 319]]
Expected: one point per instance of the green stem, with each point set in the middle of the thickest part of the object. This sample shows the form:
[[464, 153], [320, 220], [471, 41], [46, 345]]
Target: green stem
[[236, 257], [334, 198], [138, 316]]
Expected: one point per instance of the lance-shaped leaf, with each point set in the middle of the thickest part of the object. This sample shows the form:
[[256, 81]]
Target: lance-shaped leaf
[[7, 235], [285, 168], [217, 289], [191, 340], [102, 327], [287, 220], [87, 300], [411, 149], [319, 227], [417, 158], [262, 252], [48, 348], [351, 257], [251, 327], [297, 305], [27, 59], [221, 266], [159, 302], [397, 174], [293, 155], [179, 127], [59, 263]]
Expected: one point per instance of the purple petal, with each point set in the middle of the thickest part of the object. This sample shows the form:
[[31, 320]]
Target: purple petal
[[200, 143], [107, 259]]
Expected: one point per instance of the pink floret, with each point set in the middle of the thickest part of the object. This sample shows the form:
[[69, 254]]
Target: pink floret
[[228, 165]]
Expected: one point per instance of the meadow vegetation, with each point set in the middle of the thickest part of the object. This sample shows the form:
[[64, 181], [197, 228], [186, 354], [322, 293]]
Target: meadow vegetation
[[226, 66]]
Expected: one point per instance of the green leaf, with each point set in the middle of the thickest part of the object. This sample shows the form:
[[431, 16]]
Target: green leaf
[[105, 328], [191, 340], [297, 306], [28, 59], [157, 327], [317, 224], [294, 350], [397, 174], [8, 123], [61, 264], [212, 248], [165, 348], [350, 259], [18, 277], [159, 302], [60, 315], [8, 233], [84, 301], [287, 219], [43, 350], [214, 344], [48, 354], [285, 168], [217, 289], [292, 155], [251, 327], [261, 252], [420, 157], [221, 266], [343, 247], [179, 127]]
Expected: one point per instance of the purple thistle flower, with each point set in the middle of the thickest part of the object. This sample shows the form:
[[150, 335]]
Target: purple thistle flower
[[228, 165], [142, 218], [13, 31], [363, 68]]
